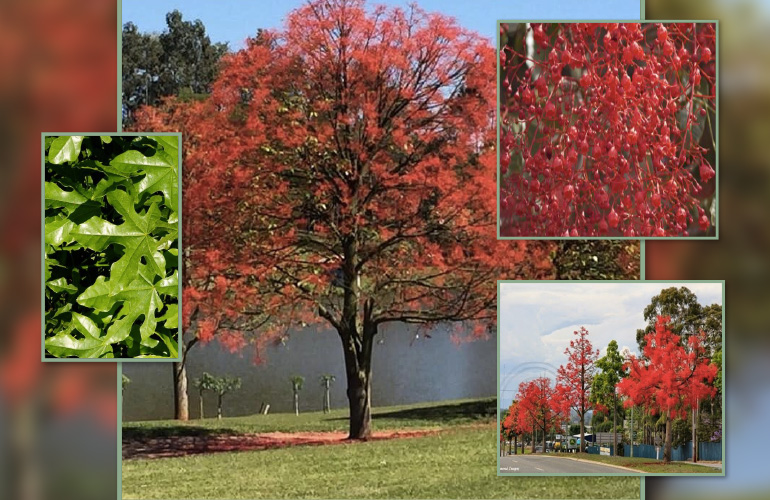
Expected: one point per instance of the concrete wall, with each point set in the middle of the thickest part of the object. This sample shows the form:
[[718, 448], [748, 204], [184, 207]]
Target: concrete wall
[[431, 369]]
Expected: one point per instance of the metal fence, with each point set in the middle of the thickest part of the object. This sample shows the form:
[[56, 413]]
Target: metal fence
[[594, 450], [706, 451]]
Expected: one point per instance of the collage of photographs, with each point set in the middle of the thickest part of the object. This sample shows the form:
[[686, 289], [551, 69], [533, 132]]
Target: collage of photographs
[[384, 249]]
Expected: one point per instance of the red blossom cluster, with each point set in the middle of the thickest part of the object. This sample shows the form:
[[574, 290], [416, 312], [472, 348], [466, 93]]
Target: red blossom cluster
[[607, 129], [672, 376]]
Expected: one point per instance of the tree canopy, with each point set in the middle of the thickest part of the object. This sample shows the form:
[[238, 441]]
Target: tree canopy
[[671, 376], [574, 380], [180, 61], [340, 174]]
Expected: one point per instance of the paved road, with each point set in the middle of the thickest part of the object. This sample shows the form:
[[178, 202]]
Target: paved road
[[534, 464]]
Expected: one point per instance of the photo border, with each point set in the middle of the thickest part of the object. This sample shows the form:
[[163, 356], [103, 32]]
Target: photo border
[[641, 475], [43, 357], [642, 20]]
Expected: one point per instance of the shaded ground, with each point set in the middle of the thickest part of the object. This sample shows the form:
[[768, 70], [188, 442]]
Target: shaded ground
[[213, 442]]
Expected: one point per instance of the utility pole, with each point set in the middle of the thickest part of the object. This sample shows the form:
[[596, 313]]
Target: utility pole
[[614, 421], [695, 433], [632, 432]]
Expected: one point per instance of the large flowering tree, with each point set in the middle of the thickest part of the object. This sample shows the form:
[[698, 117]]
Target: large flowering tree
[[671, 377], [339, 175]]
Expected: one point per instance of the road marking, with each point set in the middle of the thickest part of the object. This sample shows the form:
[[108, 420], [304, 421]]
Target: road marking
[[538, 468]]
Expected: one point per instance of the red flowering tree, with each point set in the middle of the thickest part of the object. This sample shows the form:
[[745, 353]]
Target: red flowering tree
[[671, 377], [539, 408], [607, 129], [509, 426], [339, 176], [574, 380]]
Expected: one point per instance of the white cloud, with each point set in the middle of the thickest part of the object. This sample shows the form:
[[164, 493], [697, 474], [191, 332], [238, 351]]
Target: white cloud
[[537, 321]]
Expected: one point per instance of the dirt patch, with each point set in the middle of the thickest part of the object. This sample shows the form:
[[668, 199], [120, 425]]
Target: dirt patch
[[179, 446]]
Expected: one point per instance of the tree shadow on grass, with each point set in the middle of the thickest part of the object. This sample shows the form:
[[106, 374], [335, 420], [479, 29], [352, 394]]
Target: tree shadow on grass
[[131, 433], [463, 412]]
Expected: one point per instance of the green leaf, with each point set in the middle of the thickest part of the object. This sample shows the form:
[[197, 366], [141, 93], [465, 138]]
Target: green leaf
[[171, 317], [64, 344], [142, 297], [161, 172], [97, 296], [106, 139], [170, 144], [65, 149], [57, 230], [61, 285], [134, 235], [57, 197]]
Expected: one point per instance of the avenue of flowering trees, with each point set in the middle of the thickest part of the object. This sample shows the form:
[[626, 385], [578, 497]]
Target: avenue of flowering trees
[[674, 385], [338, 176]]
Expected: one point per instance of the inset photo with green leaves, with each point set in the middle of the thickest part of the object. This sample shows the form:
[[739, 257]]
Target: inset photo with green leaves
[[111, 246]]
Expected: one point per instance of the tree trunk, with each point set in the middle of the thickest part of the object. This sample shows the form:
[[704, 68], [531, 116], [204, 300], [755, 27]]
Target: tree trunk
[[667, 446], [694, 436], [583, 434], [357, 328], [614, 423], [360, 402], [296, 403], [181, 403], [543, 440], [515, 444], [327, 399], [219, 406], [200, 398], [534, 438]]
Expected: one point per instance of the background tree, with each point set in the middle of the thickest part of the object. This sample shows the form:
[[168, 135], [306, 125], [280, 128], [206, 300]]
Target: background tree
[[670, 377], [206, 382], [180, 61], [597, 259], [296, 385], [679, 304], [326, 381], [343, 166], [573, 380], [603, 388], [712, 326], [125, 382], [223, 385]]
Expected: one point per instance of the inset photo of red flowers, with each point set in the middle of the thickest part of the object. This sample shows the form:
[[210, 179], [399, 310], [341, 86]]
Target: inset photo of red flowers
[[608, 130]]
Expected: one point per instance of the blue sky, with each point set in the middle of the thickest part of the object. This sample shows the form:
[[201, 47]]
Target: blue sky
[[537, 321], [234, 20]]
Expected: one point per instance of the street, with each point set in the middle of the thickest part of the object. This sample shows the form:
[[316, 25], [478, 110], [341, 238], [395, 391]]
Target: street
[[545, 464]]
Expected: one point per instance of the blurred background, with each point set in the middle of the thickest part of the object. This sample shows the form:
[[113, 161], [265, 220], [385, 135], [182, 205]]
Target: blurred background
[[742, 254], [58, 62], [58, 430]]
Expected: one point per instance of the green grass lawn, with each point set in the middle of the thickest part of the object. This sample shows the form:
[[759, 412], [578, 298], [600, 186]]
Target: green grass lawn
[[459, 462], [645, 464]]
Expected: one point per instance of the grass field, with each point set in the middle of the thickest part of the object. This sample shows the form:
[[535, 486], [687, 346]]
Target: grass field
[[423, 416], [459, 462], [646, 464]]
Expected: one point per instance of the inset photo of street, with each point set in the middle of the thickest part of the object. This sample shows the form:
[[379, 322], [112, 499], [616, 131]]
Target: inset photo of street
[[610, 378]]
